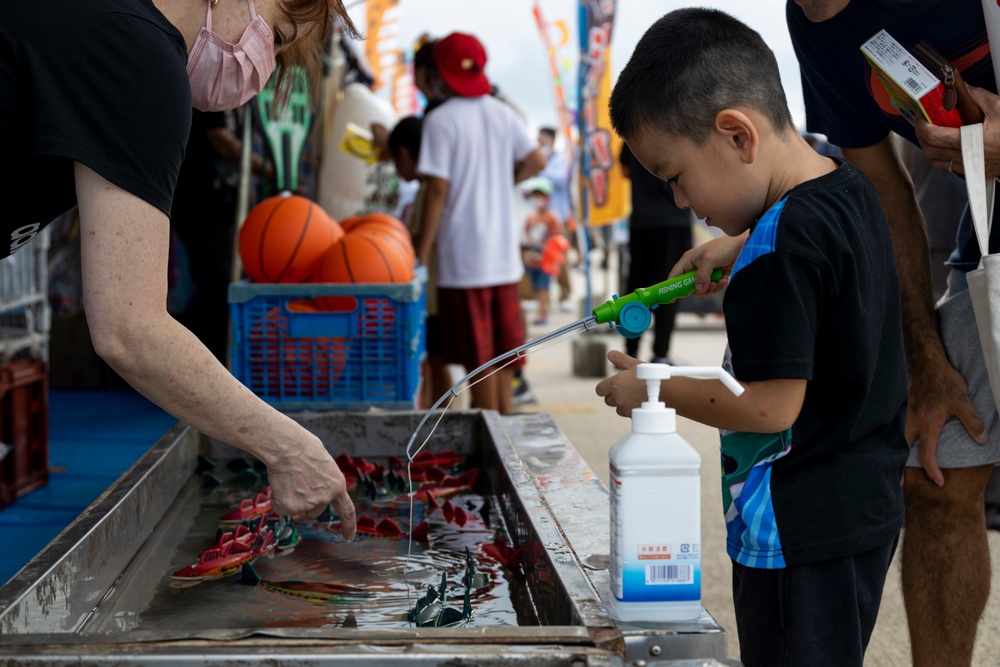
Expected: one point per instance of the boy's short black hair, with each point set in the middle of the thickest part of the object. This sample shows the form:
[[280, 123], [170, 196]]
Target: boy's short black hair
[[550, 132], [406, 134], [690, 65]]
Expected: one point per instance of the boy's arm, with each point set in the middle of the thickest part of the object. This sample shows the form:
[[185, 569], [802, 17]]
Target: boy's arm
[[434, 201], [937, 391], [765, 407], [555, 225], [720, 253]]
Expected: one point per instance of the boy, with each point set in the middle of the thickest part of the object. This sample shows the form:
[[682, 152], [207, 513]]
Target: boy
[[541, 225], [813, 452]]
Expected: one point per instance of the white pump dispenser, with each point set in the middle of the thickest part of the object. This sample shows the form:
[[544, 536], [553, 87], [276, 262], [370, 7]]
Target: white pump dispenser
[[656, 508]]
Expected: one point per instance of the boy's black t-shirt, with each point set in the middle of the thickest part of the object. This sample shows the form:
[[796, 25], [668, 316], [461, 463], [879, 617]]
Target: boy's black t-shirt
[[814, 296], [101, 82]]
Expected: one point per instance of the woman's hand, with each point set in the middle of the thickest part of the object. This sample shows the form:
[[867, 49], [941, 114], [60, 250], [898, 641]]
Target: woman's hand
[[306, 479]]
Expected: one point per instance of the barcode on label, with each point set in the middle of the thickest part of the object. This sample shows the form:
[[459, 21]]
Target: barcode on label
[[669, 574], [913, 84]]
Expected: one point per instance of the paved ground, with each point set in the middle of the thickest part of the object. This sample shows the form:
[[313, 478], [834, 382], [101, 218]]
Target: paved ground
[[593, 428]]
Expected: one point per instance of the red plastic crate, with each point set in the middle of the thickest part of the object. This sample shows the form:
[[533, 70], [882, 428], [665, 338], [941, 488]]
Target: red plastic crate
[[24, 428]]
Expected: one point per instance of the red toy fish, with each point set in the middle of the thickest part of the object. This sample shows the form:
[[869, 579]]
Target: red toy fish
[[229, 554], [385, 528], [503, 554], [250, 508]]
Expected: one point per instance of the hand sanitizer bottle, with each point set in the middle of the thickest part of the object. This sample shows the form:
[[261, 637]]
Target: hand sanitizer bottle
[[656, 509]]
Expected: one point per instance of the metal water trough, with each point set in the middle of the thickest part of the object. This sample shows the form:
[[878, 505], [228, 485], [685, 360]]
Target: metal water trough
[[552, 504]]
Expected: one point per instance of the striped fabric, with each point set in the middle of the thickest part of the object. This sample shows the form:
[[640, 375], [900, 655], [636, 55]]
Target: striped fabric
[[752, 535], [762, 238]]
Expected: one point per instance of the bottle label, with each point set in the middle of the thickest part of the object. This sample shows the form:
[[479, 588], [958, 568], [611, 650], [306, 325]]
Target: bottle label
[[656, 538]]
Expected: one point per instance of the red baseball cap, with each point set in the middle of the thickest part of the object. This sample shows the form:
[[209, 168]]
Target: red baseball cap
[[461, 59]]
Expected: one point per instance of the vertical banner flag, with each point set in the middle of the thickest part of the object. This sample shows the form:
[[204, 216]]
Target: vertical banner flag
[[381, 46], [404, 90], [557, 84], [606, 193]]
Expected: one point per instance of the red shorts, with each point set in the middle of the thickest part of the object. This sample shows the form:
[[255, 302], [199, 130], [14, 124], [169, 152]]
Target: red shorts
[[479, 323]]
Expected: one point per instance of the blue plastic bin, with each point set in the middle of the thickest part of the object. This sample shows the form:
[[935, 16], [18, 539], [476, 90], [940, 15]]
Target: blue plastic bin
[[326, 346]]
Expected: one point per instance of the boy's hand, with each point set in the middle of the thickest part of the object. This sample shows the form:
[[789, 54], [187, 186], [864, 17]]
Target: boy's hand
[[380, 139], [623, 391], [717, 253]]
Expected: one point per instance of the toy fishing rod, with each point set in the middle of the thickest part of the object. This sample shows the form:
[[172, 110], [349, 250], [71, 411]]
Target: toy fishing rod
[[629, 315]]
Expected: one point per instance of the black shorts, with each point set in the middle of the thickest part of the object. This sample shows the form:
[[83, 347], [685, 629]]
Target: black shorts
[[811, 615], [433, 336]]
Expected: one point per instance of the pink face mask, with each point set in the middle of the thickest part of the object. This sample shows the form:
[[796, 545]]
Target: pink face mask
[[224, 76]]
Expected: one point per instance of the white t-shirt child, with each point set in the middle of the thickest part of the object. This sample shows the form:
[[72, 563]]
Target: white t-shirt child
[[474, 143]]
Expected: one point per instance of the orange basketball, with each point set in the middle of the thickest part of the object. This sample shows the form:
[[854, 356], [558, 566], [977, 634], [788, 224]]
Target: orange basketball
[[362, 259], [358, 220], [382, 230], [283, 239]]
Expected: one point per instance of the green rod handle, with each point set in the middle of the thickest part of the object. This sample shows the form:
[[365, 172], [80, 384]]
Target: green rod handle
[[660, 293]]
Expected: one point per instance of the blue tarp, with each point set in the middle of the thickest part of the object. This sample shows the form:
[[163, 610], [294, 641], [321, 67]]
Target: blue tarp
[[94, 436]]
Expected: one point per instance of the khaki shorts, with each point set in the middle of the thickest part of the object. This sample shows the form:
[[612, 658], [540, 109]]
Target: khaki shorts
[[955, 448]]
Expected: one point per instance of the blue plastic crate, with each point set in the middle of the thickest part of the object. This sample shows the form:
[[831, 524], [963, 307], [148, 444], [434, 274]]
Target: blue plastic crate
[[362, 349]]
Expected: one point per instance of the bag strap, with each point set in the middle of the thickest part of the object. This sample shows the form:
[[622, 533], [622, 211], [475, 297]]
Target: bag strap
[[981, 190]]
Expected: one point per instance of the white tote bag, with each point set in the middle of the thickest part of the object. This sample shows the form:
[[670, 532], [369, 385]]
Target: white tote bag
[[984, 282]]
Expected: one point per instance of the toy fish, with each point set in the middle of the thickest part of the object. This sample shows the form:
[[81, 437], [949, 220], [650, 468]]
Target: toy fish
[[355, 464], [474, 579], [314, 592], [228, 555], [448, 486], [249, 508], [431, 611], [286, 535], [503, 554], [382, 486], [444, 459], [367, 525], [454, 514]]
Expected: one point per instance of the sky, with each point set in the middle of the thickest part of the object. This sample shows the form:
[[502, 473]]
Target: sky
[[518, 62]]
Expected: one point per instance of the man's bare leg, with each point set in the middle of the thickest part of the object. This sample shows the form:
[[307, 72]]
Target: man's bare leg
[[485, 394], [946, 564], [505, 390], [496, 392]]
